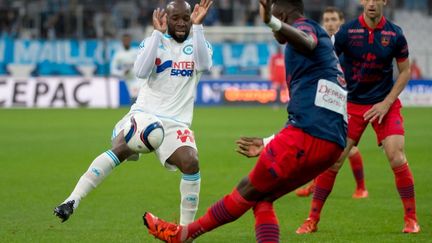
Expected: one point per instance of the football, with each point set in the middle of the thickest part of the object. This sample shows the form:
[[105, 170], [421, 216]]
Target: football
[[144, 132]]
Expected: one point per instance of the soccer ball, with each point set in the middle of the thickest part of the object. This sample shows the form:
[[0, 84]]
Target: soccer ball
[[144, 133]]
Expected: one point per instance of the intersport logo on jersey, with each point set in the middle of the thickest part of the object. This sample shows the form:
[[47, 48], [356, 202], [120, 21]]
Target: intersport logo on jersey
[[178, 69]]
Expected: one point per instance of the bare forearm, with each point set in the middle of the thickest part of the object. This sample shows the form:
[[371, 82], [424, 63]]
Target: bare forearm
[[398, 87], [298, 39]]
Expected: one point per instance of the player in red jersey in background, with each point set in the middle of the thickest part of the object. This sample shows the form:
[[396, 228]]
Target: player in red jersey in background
[[369, 44], [311, 142], [332, 19], [276, 68]]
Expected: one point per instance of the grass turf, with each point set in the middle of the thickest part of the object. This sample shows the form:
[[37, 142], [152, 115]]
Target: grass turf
[[44, 152]]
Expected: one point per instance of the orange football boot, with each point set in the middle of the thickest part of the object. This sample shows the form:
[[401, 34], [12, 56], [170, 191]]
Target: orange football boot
[[309, 226], [360, 193], [411, 226], [165, 231], [306, 191]]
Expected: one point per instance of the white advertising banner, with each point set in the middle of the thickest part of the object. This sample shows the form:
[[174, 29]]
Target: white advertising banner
[[417, 93], [59, 92]]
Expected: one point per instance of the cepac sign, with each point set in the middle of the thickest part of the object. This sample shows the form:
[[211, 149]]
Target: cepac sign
[[59, 92]]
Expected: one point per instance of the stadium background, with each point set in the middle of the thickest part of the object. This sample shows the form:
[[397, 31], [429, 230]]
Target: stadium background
[[56, 53], [51, 49]]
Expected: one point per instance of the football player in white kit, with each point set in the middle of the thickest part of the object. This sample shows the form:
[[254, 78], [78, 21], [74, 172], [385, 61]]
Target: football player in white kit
[[170, 65], [122, 66]]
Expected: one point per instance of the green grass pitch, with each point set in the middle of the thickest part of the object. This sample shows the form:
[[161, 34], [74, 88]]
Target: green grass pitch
[[44, 152]]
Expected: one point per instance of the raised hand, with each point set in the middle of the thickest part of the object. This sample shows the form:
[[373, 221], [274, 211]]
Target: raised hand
[[200, 11], [265, 10], [160, 20], [250, 146]]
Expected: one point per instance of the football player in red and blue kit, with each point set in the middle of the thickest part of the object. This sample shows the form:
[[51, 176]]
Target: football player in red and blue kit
[[312, 140], [332, 19], [369, 45]]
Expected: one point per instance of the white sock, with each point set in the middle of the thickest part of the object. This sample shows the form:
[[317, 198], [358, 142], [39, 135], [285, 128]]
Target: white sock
[[189, 190], [98, 170]]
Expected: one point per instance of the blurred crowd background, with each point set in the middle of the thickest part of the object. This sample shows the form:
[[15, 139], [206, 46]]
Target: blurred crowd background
[[103, 18]]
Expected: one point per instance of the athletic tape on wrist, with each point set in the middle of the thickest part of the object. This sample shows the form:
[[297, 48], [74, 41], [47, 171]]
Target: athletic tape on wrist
[[275, 24], [267, 140]]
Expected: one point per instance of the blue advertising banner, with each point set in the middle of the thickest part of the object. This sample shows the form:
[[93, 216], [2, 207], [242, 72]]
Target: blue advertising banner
[[61, 57], [57, 57], [213, 93]]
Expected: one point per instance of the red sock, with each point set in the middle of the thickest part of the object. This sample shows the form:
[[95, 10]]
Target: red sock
[[323, 186], [266, 223], [356, 162], [226, 210], [405, 186]]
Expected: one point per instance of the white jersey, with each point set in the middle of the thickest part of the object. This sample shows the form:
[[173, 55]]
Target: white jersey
[[123, 62], [122, 68], [170, 72]]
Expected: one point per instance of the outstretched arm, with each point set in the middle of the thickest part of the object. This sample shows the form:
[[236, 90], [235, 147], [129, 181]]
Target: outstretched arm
[[300, 40], [201, 49], [148, 49]]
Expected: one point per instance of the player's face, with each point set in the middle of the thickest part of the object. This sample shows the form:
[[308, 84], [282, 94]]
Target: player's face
[[126, 40], [373, 8], [179, 22], [331, 22]]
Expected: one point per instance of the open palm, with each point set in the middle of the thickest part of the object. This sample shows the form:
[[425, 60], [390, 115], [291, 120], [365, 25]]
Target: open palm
[[200, 11], [160, 20], [250, 146], [265, 10]]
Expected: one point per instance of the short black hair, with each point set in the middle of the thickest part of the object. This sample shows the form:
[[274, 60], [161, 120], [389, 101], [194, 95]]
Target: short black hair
[[332, 9], [296, 4]]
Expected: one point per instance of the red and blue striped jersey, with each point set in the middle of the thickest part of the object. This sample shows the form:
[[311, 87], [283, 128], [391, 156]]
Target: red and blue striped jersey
[[316, 84], [368, 56]]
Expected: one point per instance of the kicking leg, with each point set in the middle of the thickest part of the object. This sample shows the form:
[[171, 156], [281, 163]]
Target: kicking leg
[[266, 223], [96, 173], [226, 210]]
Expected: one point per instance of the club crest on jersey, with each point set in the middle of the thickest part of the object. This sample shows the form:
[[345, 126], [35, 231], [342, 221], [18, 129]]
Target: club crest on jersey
[[385, 41], [341, 80], [188, 50]]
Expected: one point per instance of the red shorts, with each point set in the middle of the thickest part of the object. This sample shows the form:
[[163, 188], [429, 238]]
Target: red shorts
[[392, 123], [292, 159]]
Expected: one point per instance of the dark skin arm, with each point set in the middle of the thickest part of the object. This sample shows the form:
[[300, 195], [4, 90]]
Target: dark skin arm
[[250, 146], [300, 40]]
